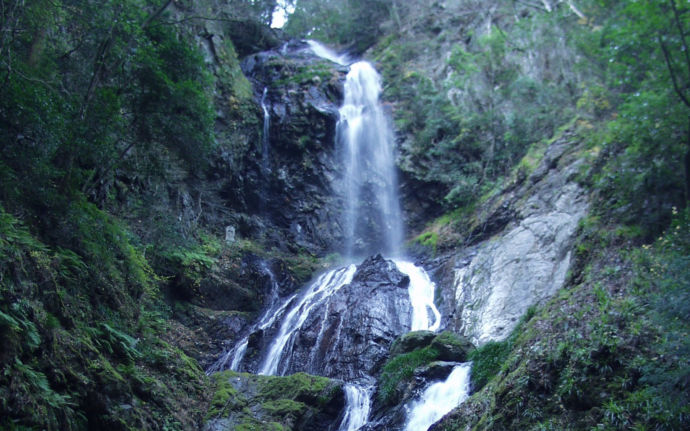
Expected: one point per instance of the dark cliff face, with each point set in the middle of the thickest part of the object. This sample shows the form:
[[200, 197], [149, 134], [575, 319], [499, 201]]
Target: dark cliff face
[[290, 182]]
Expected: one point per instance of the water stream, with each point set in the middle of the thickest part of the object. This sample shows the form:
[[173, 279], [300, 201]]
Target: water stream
[[358, 405], [266, 138], [369, 160], [425, 315], [326, 285], [439, 399]]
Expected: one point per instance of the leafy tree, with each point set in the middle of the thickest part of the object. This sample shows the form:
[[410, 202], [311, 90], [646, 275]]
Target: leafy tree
[[354, 24], [641, 47], [85, 84]]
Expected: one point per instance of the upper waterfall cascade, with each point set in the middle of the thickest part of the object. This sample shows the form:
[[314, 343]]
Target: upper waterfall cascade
[[369, 160], [266, 138]]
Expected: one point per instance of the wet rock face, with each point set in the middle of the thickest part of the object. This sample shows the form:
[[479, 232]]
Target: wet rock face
[[500, 278], [291, 184], [349, 335]]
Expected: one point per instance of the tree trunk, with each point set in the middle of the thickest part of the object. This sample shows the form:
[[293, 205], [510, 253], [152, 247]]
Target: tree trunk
[[687, 168]]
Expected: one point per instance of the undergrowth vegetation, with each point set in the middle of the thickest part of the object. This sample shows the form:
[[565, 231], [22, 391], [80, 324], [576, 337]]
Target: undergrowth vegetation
[[82, 335], [107, 115]]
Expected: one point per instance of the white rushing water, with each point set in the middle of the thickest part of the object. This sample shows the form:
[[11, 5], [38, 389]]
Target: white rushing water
[[366, 138], [274, 310], [357, 408], [266, 139], [425, 315], [324, 286], [439, 399], [324, 52], [367, 141]]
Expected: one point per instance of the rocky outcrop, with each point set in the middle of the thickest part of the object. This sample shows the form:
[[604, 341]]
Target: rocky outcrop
[[527, 257], [298, 402], [348, 335], [291, 182]]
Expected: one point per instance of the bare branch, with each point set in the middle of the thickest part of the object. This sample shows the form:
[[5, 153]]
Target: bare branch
[[682, 34], [672, 72], [156, 14], [575, 10]]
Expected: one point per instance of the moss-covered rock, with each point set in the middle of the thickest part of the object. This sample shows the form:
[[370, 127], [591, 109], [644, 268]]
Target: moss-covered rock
[[451, 347], [411, 341], [412, 354], [253, 402]]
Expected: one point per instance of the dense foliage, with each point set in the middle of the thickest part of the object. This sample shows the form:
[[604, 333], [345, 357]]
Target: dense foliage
[[353, 24], [469, 104], [103, 105], [608, 351]]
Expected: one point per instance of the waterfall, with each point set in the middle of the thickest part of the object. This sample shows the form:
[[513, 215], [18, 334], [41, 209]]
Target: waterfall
[[366, 139], [367, 154], [372, 222], [439, 399], [273, 311], [425, 315], [324, 52], [357, 408], [326, 285], [265, 141]]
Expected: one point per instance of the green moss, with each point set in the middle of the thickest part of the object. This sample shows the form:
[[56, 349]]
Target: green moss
[[300, 385], [314, 73], [255, 401], [428, 239], [451, 347], [284, 407], [232, 73], [487, 361], [225, 397], [253, 425], [401, 368]]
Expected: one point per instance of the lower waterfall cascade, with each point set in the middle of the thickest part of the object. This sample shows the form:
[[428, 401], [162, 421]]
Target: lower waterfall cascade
[[357, 408], [325, 286], [439, 399]]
